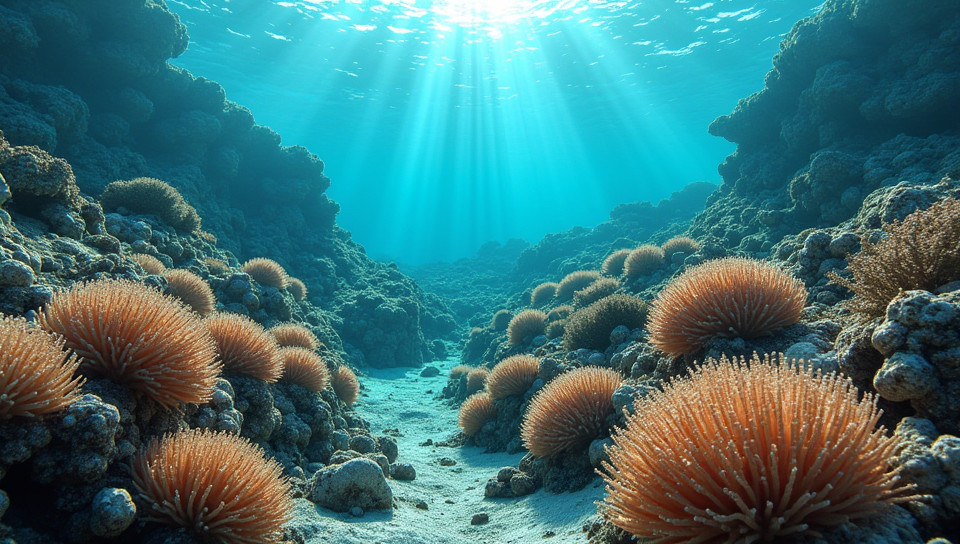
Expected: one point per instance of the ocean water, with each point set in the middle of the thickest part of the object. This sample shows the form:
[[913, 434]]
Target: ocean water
[[449, 123]]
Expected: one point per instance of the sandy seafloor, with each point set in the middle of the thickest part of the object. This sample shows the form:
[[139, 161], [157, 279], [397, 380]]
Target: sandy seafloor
[[398, 398]]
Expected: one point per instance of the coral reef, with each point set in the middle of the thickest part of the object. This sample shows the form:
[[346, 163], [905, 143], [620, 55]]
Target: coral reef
[[475, 411], [526, 325], [244, 347]]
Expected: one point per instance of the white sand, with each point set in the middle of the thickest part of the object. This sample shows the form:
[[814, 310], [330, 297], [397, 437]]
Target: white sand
[[398, 398]]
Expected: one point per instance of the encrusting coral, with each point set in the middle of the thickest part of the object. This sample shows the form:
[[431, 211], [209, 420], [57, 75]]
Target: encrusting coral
[[36, 374], [137, 337], [192, 290], [569, 411], [304, 367], [525, 325], [345, 384], [921, 252], [267, 272], [729, 297], [294, 335], [214, 483], [512, 376], [245, 347], [475, 411], [748, 452]]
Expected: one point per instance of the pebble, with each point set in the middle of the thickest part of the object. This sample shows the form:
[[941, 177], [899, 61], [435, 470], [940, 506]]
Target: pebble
[[113, 511], [429, 372], [422, 505], [447, 462], [479, 519]]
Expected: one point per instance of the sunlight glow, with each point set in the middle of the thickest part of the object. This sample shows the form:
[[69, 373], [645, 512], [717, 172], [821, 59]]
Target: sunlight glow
[[496, 12]]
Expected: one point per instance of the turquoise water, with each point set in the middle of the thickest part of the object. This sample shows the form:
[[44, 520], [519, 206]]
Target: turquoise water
[[447, 124]]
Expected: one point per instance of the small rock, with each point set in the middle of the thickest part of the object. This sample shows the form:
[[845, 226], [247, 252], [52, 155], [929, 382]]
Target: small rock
[[479, 519], [522, 484], [357, 483], [506, 473], [422, 505], [402, 471], [356, 511], [4, 503], [429, 372], [363, 444], [15, 274], [447, 462], [113, 511]]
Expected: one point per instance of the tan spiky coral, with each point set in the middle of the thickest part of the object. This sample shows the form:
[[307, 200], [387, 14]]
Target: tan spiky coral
[[267, 272], [305, 368], [297, 288], [244, 347], [730, 297], [294, 335], [641, 261], [513, 376], [217, 267], [613, 264], [501, 320], [558, 313], [526, 324], [749, 452], [136, 337], [345, 384], [603, 287], [543, 293], [217, 484], [192, 290], [36, 374], [679, 244], [569, 411], [149, 263], [475, 411], [477, 379], [573, 282], [460, 371]]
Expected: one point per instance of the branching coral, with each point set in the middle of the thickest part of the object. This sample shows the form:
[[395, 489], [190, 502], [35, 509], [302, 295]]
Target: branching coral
[[749, 452]]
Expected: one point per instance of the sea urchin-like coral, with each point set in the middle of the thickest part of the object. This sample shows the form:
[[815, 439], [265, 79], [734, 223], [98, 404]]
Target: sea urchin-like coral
[[731, 297], [244, 347], [192, 290], [267, 272], [513, 376], [345, 384], [749, 452], [305, 368], [217, 484], [294, 335], [475, 411], [526, 324]]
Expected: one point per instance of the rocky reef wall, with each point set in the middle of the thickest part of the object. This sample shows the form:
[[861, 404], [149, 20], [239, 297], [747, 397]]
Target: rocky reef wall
[[89, 82]]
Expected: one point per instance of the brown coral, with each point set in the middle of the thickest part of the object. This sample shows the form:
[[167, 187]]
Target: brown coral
[[345, 384], [475, 411], [192, 290], [217, 267], [603, 287], [217, 484], [679, 244], [36, 374], [526, 324], [501, 320], [730, 297], [512, 376], [477, 379], [575, 281], [922, 252], [244, 347], [543, 293], [151, 196], [305, 368], [569, 411], [137, 337], [460, 370], [297, 288], [149, 263], [643, 260], [613, 265], [267, 272], [295, 335], [749, 452]]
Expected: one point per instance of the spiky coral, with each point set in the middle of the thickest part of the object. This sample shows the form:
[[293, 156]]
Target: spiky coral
[[575, 281], [679, 244], [149, 263], [475, 411], [345, 384], [267, 272], [477, 379], [36, 374], [294, 335], [749, 452], [603, 287], [305, 368], [151, 196], [526, 324], [590, 327], [569, 411], [501, 320], [297, 288], [217, 484], [643, 260], [460, 371], [731, 297], [613, 264], [512, 376], [137, 337], [244, 347], [543, 294], [192, 290]]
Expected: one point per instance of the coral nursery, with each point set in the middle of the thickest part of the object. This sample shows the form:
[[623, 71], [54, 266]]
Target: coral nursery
[[189, 342]]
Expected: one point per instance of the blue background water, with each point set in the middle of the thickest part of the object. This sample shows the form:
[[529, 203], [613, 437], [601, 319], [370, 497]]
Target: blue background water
[[445, 124]]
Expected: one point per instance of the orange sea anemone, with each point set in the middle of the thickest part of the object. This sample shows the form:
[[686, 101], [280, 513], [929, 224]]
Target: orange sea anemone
[[217, 484], [294, 335], [192, 290], [513, 376], [731, 297], [749, 452], [137, 337], [569, 411], [304, 367], [526, 324], [36, 374], [475, 411], [244, 347], [345, 384], [267, 272]]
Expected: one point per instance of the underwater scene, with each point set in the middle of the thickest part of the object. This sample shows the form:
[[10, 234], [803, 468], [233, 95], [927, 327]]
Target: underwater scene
[[465, 271]]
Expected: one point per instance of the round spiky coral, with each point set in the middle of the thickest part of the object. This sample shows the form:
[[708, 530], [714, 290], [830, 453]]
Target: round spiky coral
[[297, 288], [613, 264], [501, 320], [569, 411], [747, 453], [192, 290], [513, 376], [266, 272], [36, 374], [526, 324], [731, 297], [244, 347], [477, 379], [345, 384], [304, 367], [460, 370], [643, 260], [295, 335], [137, 337], [543, 293], [679, 244], [558, 313], [475, 411], [217, 484], [603, 287], [575, 281], [149, 263], [590, 327]]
